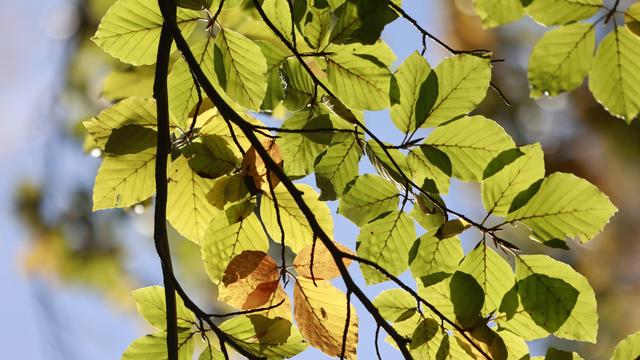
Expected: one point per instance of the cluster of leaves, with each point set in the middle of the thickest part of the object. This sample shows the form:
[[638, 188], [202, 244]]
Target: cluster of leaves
[[563, 57], [320, 65]]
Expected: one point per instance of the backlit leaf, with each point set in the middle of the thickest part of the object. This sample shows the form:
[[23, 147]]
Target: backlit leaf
[[250, 280], [223, 242], [151, 305], [565, 206], [629, 348], [510, 173], [414, 79], [358, 80], [188, 209], [498, 12], [471, 143], [321, 313], [463, 81], [297, 231], [324, 266], [435, 259], [369, 197], [386, 241], [561, 59], [241, 68], [557, 12], [130, 30], [271, 338], [337, 167], [614, 79]]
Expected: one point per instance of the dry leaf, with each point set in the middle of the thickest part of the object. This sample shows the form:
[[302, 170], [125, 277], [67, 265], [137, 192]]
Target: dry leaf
[[255, 167], [321, 314], [324, 267], [250, 281]]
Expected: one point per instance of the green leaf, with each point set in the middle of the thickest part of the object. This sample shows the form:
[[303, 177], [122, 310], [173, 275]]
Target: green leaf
[[297, 231], [130, 30], [188, 209], [154, 346], [510, 173], [299, 88], [516, 347], [151, 305], [558, 12], [337, 167], [493, 274], [278, 12], [275, 57], [433, 259], [555, 298], [381, 161], [271, 338], [125, 180], [458, 297], [395, 305], [555, 354], [317, 27], [463, 81], [430, 169], [471, 142], [134, 81], [182, 90], [632, 18], [362, 21], [224, 241], [300, 150], [415, 80], [426, 213], [360, 81], [136, 111], [241, 68], [386, 241], [210, 156], [498, 12], [194, 4], [565, 206], [629, 348], [369, 197], [614, 79], [561, 59], [211, 352]]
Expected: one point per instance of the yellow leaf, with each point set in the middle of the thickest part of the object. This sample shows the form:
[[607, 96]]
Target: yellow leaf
[[324, 267], [321, 314]]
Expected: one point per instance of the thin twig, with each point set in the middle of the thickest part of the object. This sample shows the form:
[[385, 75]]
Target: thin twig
[[345, 332], [247, 312]]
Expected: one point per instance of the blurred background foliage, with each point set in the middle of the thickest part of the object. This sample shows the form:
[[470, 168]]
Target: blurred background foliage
[[67, 248]]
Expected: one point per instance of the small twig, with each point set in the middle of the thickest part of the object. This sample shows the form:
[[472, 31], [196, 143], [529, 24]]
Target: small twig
[[345, 332], [283, 264], [376, 343], [313, 255], [247, 312]]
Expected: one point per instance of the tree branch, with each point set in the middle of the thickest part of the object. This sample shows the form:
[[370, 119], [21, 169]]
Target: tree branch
[[160, 213]]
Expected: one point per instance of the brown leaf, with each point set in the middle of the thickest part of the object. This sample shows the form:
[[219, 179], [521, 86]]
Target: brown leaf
[[324, 267], [250, 281], [255, 167], [321, 314], [283, 310]]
